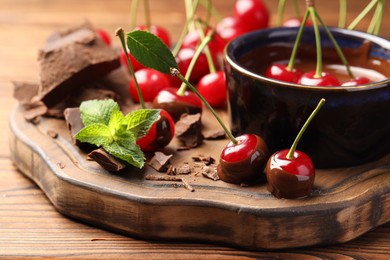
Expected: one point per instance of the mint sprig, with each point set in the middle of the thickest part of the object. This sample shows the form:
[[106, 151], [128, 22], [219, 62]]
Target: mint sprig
[[106, 126]]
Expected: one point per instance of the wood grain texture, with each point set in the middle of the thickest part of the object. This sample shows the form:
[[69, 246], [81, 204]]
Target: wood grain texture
[[30, 227]]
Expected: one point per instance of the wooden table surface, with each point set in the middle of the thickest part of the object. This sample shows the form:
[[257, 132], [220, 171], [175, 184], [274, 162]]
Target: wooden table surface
[[30, 226]]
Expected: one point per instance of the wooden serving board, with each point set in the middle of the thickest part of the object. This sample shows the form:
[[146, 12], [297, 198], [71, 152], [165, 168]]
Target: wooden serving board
[[345, 203]]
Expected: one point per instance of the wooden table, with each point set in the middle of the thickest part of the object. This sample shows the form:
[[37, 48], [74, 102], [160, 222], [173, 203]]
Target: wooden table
[[29, 225]]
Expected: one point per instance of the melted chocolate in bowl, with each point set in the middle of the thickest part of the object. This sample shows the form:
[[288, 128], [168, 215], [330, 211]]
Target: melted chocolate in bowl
[[353, 127]]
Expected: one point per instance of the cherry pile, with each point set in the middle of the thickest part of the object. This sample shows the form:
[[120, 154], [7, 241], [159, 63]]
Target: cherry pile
[[290, 173]]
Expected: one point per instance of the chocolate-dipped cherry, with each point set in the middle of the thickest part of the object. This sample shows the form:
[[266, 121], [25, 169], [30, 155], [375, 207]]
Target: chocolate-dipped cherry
[[175, 104], [244, 158], [290, 173], [159, 135]]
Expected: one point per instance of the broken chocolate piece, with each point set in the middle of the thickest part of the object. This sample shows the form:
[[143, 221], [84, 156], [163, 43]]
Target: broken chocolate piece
[[52, 134], [106, 160], [160, 161], [210, 172], [24, 92], [74, 123], [188, 130], [207, 160], [214, 134], [69, 61], [183, 169]]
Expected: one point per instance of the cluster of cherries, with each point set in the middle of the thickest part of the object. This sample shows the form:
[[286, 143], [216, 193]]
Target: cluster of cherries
[[245, 157], [282, 72]]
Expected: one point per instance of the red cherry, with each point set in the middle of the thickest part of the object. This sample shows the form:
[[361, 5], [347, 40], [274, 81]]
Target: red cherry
[[104, 36], [193, 39], [159, 135], [356, 82], [175, 104], [252, 14], [243, 161], [136, 65], [159, 31], [213, 88], [201, 67], [290, 178], [229, 28], [150, 81], [325, 80], [281, 72]]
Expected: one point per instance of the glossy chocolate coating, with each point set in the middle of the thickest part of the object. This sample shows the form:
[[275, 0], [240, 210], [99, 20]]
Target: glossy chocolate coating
[[283, 184], [247, 170]]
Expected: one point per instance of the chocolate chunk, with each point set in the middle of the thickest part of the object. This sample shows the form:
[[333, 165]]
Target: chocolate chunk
[[183, 169], [210, 172], [188, 130], [160, 161], [106, 160], [70, 60], [207, 160], [52, 134], [214, 134], [74, 123]]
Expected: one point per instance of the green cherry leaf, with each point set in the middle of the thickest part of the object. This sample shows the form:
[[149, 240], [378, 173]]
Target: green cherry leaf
[[97, 134], [97, 111], [140, 121], [150, 51]]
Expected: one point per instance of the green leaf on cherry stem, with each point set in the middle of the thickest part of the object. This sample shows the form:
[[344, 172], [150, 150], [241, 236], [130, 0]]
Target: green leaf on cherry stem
[[150, 51], [106, 126]]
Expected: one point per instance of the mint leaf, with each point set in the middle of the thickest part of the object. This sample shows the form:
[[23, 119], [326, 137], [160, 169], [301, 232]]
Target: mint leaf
[[97, 111], [140, 121], [127, 151], [150, 51], [106, 126], [97, 134]]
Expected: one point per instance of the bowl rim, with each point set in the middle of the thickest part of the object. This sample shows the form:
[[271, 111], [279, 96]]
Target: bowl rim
[[351, 33]]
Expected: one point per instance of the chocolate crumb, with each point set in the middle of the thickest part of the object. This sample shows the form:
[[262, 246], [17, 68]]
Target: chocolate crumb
[[210, 172], [171, 170], [106, 160], [188, 130], [183, 169], [160, 161], [61, 165], [207, 160], [214, 134], [52, 134]]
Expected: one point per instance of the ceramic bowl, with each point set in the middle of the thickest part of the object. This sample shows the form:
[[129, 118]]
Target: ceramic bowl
[[353, 126]]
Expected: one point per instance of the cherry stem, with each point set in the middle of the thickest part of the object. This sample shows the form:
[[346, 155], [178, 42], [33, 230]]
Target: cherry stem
[[184, 32], [296, 9], [342, 13], [133, 14], [290, 65], [281, 6], [190, 10], [210, 60], [191, 66], [312, 11], [362, 14], [176, 73], [336, 46], [213, 11], [208, 11], [147, 14], [376, 20], [121, 34], [290, 154]]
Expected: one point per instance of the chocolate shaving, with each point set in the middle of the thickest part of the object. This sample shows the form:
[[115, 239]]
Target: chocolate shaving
[[201, 158], [163, 177], [214, 134], [188, 130], [160, 161], [187, 185], [106, 160]]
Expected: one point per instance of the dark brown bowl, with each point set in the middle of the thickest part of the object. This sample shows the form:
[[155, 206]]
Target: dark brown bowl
[[353, 127]]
